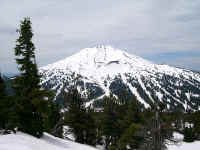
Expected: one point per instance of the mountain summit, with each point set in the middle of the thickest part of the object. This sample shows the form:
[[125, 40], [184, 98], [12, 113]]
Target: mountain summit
[[102, 70], [101, 61]]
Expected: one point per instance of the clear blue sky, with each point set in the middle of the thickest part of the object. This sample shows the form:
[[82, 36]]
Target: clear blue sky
[[163, 31]]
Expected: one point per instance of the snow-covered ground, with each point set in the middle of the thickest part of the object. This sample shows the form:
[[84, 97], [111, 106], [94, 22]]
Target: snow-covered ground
[[185, 146], [21, 141]]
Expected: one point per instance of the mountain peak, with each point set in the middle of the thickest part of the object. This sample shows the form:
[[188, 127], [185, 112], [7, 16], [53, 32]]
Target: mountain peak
[[101, 49], [101, 46], [101, 61]]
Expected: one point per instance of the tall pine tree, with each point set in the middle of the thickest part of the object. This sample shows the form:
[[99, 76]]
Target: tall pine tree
[[110, 122], [31, 104]]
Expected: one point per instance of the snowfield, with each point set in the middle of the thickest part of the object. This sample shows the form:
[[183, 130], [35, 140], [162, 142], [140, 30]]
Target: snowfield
[[21, 141]]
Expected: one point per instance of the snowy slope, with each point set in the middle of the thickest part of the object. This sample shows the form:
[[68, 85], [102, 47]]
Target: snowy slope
[[100, 70], [21, 141], [185, 146]]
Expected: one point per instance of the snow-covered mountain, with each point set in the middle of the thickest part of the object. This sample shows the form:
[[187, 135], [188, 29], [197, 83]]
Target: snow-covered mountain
[[100, 70]]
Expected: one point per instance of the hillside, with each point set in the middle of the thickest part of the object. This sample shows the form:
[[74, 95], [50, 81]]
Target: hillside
[[102, 70]]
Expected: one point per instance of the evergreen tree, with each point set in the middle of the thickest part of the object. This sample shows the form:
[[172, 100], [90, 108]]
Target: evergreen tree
[[91, 128], [53, 119], [189, 134], [191, 126], [131, 138], [131, 126], [134, 113], [31, 103], [80, 119], [74, 117], [160, 128], [110, 122], [196, 122]]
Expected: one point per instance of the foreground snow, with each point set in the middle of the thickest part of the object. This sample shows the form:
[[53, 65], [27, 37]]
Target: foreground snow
[[21, 141], [183, 145]]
